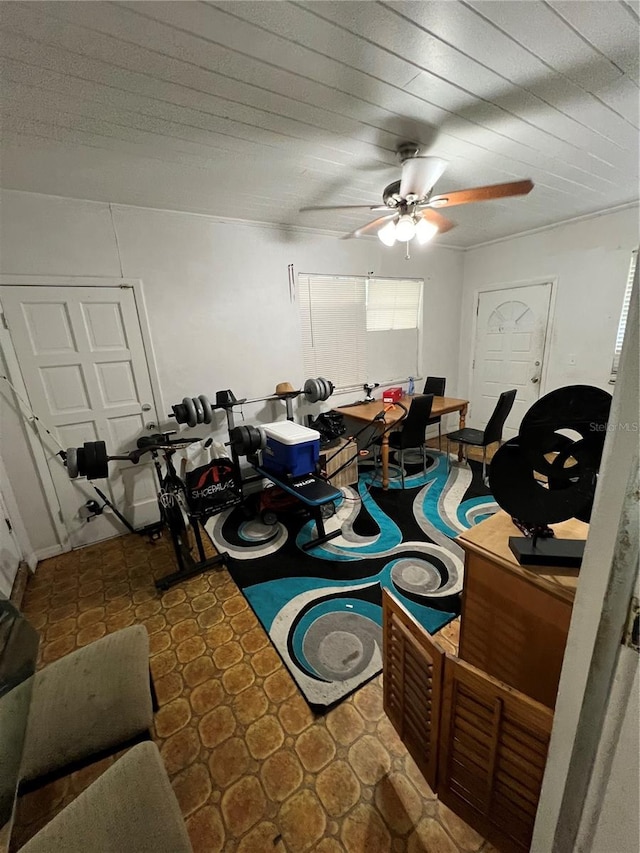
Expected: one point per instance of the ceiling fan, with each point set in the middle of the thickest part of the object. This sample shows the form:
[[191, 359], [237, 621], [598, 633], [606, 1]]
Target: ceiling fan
[[409, 204]]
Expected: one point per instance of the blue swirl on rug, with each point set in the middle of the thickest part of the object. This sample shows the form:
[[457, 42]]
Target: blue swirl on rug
[[322, 608]]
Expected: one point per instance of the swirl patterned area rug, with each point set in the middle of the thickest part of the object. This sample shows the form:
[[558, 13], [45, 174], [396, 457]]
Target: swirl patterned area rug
[[322, 608]]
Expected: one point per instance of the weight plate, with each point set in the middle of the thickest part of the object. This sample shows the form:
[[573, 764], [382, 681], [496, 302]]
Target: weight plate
[[89, 459], [190, 410], [199, 410], [180, 413], [311, 390], [102, 461], [326, 392], [72, 462], [206, 409], [263, 438], [235, 435]]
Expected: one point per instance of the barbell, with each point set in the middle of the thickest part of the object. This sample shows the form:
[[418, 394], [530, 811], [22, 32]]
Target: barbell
[[198, 410]]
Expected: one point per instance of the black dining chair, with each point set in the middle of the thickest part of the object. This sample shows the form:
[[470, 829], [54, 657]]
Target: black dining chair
[[483, 437], [412, 432], [435, 385]]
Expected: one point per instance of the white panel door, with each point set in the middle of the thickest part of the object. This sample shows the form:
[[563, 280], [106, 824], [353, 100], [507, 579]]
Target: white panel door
[[511, 330], [83, 363]]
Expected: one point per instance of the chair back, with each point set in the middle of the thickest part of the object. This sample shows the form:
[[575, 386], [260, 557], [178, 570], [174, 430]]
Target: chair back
[[415, 423], [435, 385], [495, 425]]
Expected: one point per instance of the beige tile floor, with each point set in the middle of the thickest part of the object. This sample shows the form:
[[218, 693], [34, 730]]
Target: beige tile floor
[[252, 767]]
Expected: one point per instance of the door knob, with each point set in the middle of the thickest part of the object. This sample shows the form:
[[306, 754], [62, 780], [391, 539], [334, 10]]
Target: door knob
[[535, 379], [146, 407]]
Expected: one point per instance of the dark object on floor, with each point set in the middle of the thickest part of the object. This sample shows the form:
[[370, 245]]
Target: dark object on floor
[[542, 476], [491, 433]]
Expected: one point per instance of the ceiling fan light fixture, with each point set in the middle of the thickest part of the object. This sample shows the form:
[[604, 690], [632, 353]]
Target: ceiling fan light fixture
[[405, 228], [425, 231], [388, 234]]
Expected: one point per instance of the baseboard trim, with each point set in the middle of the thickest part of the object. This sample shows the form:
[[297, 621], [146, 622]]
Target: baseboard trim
[[45, 553]]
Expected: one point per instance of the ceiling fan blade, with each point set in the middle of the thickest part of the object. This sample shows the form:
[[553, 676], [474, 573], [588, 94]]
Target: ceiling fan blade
[[370, 227], [441, 222], [347, 207], [481, 194], [419, 174]]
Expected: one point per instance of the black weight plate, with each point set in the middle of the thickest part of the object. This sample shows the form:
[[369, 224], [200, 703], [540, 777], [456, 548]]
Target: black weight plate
[[101, 461], [263, 438], [89, 459], [180, 412], [72, 462], [514, 486], [206, 409]]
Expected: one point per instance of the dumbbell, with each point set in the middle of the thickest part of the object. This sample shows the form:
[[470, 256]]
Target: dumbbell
[[193, 411], [316, 390], [246, 440]]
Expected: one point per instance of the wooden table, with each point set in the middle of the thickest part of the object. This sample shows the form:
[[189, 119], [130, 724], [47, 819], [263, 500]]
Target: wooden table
[[515, 619], [366, 412]]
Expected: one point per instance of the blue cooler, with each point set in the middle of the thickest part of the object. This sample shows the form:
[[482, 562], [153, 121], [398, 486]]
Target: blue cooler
[[291, 449]]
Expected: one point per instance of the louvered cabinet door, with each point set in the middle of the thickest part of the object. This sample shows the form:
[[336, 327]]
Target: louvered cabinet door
[[493, 750], [412, 684]]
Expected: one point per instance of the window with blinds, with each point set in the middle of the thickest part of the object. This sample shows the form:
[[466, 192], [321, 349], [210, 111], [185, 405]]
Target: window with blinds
[[622, 325], [357, 329]]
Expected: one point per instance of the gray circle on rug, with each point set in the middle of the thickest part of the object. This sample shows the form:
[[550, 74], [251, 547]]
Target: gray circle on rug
[[419, 577], [255, 531], [340, 645]]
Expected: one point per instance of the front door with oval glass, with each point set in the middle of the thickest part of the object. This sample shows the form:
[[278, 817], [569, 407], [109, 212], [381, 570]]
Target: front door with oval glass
[[511, 331]]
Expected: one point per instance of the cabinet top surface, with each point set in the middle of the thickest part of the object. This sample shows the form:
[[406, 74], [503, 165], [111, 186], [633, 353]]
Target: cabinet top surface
[[490, 539]]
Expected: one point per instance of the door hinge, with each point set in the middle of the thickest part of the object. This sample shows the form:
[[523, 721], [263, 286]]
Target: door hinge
[[9, 525], [3, 320], [632, 628], [473, 364]]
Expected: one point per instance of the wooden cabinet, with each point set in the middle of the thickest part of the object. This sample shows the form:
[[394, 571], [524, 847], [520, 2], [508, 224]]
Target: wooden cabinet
[[338, 456], [480, 744], [514, 621], [478, 725]]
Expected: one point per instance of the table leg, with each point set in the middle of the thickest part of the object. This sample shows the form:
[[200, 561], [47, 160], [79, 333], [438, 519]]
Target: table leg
[[384, 455], [461, 425]]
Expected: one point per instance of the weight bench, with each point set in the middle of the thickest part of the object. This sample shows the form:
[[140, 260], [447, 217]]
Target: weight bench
[[313, 493]]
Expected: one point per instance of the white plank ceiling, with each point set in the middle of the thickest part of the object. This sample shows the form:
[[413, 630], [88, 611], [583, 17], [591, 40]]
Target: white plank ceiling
[[250, 110]]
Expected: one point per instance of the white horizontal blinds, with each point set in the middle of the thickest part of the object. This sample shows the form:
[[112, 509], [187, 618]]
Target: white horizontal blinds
[[332, 310], [393, 304], [622, 325]]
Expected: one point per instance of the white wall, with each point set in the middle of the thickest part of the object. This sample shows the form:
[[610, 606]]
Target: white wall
[[217, 296], [589, 262]]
